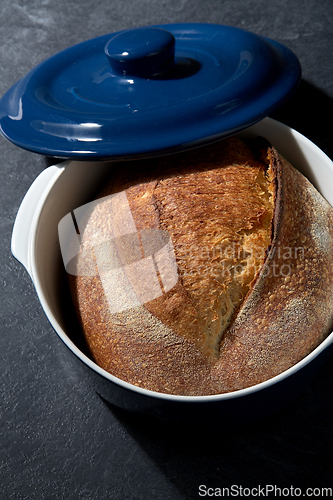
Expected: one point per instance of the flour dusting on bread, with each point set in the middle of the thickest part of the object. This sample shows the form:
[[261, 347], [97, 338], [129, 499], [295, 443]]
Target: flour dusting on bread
[[209, 271]]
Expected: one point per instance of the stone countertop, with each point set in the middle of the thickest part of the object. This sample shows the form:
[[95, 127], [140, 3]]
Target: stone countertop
[[59, 438]]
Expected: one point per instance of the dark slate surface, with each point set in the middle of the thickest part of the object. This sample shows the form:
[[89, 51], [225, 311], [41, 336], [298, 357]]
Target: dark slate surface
[[59, 439]]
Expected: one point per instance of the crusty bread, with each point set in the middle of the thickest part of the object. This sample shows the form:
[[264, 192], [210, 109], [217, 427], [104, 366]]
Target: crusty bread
[[211, 270]]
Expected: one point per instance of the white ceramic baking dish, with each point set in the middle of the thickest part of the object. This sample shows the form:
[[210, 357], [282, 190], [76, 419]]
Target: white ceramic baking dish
[[68, 185]]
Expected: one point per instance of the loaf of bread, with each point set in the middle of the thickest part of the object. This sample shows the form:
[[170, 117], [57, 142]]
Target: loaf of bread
[[204, 272]]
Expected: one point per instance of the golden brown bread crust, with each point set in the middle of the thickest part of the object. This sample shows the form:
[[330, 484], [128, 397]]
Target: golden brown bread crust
[[289, 311], [220, 327]]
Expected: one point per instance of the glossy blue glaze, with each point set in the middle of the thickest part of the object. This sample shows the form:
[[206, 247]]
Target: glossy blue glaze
[[82, 103]]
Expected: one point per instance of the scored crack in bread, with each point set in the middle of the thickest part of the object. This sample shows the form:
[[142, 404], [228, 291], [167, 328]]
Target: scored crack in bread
[[219, 220], [250, 293]]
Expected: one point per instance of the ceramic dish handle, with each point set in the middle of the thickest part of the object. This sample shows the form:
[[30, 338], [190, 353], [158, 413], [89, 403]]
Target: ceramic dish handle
[[28, 213]]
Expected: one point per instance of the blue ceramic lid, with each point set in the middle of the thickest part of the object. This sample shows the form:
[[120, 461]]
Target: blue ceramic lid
[[148, 91]]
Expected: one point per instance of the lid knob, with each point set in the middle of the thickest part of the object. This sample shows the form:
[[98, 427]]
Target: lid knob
[[141, 52]]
